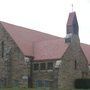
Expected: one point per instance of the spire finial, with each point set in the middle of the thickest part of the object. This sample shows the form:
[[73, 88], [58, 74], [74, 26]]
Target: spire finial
[[72, 7]]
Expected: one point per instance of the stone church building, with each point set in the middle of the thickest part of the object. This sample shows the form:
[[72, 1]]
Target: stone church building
[[27, 56]]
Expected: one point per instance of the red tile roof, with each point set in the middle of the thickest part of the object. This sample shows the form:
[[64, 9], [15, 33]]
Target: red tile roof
[[25, 38], [40, 45], [50, 49], [86, 50]]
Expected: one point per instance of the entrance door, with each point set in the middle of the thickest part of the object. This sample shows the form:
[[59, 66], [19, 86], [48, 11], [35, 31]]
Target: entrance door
[[30, 82]]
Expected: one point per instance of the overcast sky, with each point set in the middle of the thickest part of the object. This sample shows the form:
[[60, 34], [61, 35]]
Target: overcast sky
[[49, 16]]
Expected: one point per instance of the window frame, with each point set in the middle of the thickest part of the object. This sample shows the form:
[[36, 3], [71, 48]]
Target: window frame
[[42, 66], [49, 68], [34, 65]]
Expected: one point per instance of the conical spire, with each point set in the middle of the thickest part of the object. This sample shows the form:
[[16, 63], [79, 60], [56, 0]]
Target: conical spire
[[72, 24], [72, 27]]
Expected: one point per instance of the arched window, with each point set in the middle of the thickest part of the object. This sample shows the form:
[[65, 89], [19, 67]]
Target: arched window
[[2, 47], [75, 64]]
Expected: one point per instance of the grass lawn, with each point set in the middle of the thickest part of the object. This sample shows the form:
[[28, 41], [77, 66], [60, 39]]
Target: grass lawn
[[16, 89], [23, 89]]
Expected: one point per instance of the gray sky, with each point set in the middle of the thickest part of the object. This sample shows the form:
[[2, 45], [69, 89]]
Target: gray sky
[[49, 16]]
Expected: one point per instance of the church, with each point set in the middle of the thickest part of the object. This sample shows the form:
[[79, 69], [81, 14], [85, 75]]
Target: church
[[27, 56]]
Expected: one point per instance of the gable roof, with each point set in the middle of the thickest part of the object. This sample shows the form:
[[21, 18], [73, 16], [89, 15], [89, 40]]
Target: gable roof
[[25, 38], [86, 50], [50, 49], [40, 45]]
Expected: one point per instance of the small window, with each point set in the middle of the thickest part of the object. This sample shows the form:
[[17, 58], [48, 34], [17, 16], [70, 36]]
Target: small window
[[2, 46], [36, 66], [50, 65], [42, 66], [75, 64]]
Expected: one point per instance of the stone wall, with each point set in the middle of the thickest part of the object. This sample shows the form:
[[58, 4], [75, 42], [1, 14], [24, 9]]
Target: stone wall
[[72, 67], [12, 64], [44, 74], [13, 67], [73, 64]]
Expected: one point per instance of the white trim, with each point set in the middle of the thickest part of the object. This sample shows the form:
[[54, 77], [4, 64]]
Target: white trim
[[26, 59], [24, 77], [58, 63], [69, 35], [89, 67]]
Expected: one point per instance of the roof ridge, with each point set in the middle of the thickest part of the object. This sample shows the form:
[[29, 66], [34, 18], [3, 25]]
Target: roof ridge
[[2, 22]]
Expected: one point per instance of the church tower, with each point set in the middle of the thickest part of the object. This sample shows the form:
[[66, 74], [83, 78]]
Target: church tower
[[71, 27]]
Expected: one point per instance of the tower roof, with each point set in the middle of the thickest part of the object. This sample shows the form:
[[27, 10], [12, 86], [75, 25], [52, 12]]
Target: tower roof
[[72, 24], [72, 19]]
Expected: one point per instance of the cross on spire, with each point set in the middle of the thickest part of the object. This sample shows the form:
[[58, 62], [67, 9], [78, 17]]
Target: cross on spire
[[72, 7]]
